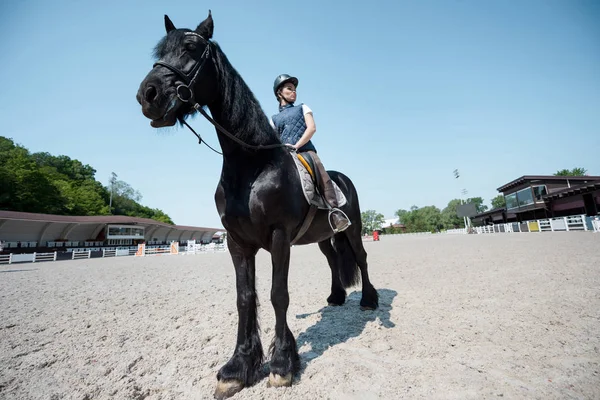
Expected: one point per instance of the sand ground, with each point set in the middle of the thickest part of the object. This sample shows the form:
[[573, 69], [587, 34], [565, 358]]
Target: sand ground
[[492, 316]]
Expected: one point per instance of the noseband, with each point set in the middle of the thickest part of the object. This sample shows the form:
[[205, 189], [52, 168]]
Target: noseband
[[185, 93]]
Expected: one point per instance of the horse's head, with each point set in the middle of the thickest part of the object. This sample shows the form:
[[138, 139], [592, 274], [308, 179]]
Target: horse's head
[[183, 75]]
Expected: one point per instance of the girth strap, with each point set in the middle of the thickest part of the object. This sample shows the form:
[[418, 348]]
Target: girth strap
[[310, 215]]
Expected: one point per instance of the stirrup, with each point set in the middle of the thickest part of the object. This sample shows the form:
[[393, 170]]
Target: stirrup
[[331, 211]]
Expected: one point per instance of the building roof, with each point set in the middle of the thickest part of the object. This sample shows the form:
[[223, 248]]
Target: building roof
[[493, 211], [573, 190], [97, 219], [42, 228], [528, 178]]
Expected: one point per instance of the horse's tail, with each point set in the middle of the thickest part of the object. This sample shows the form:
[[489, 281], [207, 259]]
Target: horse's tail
[[349, 272]]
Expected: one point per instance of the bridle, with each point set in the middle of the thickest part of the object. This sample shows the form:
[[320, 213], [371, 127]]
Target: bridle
[[185, 93]]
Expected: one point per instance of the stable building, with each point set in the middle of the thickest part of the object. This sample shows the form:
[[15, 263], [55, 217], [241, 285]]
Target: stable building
[[30, 232], [533, 197]]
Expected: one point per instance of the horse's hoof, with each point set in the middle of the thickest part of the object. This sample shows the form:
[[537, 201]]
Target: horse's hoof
[[367, 308], [227, 388], [333, 305], [279, 381]]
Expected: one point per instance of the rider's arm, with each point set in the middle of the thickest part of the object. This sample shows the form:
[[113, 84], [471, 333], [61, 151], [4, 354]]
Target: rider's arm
[[311, 128]]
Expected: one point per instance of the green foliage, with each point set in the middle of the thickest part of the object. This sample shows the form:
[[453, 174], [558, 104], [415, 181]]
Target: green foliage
[[401, 214], [43, 183], [371, 220], [571, 172], [450, 218], [425, 219], [498, 202]]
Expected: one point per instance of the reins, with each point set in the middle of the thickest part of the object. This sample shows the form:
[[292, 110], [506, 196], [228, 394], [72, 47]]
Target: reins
[[186, 95]]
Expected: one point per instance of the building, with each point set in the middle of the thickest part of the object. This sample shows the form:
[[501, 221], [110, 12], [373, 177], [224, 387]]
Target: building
[[29, 232], [533, 197]]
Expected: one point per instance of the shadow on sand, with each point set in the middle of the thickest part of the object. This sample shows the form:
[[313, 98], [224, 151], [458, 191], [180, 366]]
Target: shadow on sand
[[338, 324]]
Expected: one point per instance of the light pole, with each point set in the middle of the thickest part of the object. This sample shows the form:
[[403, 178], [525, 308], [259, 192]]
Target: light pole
[[113, 180], [464, 193]]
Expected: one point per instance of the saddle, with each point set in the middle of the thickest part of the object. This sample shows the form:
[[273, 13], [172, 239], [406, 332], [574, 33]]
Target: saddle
[[310, 180]]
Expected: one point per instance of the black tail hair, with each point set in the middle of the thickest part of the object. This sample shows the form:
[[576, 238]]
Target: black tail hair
[[346, 261]]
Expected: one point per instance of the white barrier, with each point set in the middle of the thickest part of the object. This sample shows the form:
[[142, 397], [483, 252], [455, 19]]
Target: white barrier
[[44, 257], [109, 253], [78, 255], [6, 258], [568, 224], [142, 250], [458, 231], [596, 225], [196, 248]]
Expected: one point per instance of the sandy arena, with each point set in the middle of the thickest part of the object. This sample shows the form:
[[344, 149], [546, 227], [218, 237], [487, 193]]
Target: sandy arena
[[513, 316]]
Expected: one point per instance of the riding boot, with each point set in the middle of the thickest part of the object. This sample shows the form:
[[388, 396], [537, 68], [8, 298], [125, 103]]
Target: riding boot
[[339, 220]]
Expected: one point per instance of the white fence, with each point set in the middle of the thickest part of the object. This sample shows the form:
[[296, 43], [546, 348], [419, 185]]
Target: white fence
[[596, 225], [566, 224], [199, 248], [31, 257], [78, 255]]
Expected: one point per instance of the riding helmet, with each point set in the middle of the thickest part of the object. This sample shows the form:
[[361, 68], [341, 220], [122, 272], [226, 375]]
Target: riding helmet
[[281, 79]]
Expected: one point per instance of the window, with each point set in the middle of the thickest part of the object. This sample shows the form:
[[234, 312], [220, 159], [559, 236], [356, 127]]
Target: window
[[539, 191], [120, 242], [525, 197], [511, 201], [124, 232]]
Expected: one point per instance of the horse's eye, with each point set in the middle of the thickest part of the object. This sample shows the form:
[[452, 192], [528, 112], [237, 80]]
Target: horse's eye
[[190, 46]]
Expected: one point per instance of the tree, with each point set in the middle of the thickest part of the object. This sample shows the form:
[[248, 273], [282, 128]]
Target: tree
[[44, 183], [401, 214], [571, 172], [425, 219], [371, 220], [498, 202], [450, 218]]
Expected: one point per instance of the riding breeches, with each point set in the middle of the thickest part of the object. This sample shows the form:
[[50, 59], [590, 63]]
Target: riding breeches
[[325, 184]]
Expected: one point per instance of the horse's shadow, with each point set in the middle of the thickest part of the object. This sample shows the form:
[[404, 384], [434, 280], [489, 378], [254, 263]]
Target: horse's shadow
[[338, 324]]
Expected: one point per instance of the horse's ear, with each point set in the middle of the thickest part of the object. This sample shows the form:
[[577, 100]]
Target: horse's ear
[[169, 26], [205, 29]]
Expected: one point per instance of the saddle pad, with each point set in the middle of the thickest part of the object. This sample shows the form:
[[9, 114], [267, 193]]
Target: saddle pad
[[308, 187]]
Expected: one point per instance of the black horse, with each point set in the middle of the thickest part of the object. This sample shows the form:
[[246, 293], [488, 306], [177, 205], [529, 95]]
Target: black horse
[[259, 197]]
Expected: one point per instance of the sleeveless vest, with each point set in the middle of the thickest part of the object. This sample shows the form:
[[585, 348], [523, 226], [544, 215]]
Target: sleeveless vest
[[290, 125]]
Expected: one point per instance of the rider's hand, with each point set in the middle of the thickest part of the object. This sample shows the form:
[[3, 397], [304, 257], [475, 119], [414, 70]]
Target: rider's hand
[[290, 147]]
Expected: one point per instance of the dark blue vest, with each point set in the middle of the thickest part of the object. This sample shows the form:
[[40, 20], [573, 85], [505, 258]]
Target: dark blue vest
[[290, 125]]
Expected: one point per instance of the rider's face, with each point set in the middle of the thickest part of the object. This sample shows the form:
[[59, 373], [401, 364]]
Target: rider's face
[[288, 92]]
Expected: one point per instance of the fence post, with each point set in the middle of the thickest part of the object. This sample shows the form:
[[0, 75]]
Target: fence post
[[89, 253], [10, 258], [73, 255], [54, 256], [34, 256], [585, 227], [566, 223]]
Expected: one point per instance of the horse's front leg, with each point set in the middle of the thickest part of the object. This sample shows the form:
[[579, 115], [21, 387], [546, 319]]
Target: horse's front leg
[[284, 355], [244, 366]]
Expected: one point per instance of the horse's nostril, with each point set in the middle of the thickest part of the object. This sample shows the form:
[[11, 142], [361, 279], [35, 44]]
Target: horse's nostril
[[150, 94]]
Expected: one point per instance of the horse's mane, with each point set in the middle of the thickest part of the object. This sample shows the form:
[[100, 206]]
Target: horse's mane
[[245, 116]]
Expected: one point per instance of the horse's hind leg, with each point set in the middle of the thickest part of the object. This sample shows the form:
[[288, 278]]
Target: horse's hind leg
[[244, 366], [370, 298], [338, 293]]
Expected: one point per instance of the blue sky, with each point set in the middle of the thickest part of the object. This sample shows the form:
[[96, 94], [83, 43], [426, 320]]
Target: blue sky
[[403, 92]]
